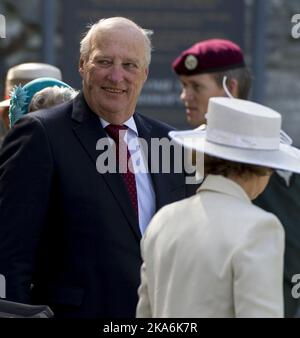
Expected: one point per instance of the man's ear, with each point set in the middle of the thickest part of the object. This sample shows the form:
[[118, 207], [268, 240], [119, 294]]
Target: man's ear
[[146, 73], [81, 66], [233, 87]]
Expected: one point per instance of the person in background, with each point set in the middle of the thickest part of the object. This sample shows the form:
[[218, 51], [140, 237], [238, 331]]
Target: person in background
[[216, 254], [50, 97], [70, 232], [41, 93], [201, 69], [20, 75], [206, 70], [210, 68], [282, 197]]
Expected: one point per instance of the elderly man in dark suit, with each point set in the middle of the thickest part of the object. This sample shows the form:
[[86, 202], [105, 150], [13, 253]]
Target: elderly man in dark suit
[[69, 235]]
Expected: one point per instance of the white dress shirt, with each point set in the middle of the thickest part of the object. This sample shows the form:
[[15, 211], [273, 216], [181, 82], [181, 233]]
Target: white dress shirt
[[144, 186]]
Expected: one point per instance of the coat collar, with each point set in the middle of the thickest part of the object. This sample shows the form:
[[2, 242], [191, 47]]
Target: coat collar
[[81, 111], [223, 185]]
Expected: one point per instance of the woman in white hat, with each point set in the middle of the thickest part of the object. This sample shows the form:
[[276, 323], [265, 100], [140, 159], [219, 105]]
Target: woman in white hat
[[216, 254]]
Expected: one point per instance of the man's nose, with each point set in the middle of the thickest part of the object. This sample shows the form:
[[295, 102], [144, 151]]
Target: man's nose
[[116, 73], [185, 95]]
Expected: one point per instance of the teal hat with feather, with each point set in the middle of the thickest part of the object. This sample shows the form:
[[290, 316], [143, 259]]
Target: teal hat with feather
[[20, 97]]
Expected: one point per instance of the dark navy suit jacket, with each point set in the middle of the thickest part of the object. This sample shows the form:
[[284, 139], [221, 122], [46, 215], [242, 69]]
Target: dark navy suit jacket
[[68, 236]]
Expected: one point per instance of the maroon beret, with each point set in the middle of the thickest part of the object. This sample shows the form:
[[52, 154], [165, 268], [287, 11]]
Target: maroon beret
[[209, 56]]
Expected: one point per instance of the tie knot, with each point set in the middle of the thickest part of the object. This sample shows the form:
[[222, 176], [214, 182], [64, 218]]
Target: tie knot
[[113, 131]]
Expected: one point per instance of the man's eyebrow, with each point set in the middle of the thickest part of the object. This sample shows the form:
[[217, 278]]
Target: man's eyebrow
[[128, 59], [192, 82], [100, 55]]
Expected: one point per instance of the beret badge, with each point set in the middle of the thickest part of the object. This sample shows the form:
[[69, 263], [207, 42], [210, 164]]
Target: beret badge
[[190, 62]]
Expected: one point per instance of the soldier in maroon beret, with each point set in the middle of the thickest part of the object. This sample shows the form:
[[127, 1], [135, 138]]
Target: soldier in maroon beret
[[201, 70]]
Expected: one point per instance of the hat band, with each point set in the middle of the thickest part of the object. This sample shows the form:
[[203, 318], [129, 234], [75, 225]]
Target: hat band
[[241, 141]]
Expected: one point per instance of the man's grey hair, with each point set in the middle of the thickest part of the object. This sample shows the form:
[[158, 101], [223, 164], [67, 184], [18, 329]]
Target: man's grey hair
[[86, 42], [51, 96]]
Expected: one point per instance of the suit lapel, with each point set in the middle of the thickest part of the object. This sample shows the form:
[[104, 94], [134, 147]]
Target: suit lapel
[[88, 130]]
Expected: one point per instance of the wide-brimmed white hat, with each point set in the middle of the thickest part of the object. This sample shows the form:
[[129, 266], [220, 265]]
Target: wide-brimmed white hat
[[25, 72], [242, 131]]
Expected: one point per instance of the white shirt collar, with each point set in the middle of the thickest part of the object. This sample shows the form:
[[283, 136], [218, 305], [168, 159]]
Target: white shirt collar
[[130, 123]]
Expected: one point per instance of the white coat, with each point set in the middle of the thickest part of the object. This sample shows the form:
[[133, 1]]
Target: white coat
[[212, 255]]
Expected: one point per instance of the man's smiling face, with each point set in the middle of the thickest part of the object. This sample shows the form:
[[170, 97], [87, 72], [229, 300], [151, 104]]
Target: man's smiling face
[[114, 73]]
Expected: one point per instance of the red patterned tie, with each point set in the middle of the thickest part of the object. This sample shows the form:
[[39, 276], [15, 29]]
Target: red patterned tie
[[129, 177]]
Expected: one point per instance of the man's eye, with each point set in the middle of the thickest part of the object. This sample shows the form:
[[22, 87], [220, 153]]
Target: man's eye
[[129, 65], [103, 62]]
